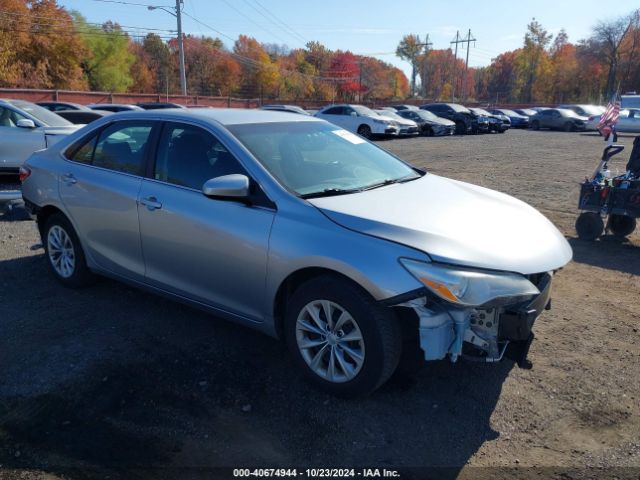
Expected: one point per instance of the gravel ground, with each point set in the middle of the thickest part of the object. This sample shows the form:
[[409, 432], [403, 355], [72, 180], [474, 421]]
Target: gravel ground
[[112, 382]]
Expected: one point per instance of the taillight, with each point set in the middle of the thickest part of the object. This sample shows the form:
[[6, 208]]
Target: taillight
[[24, 173]]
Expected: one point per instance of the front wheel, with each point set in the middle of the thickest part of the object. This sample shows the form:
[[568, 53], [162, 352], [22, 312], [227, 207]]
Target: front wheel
[[342, 340], [589, 226], [568, 127], [535, 125], [64, 252], [461, 128], [364, 131], [621, 225]]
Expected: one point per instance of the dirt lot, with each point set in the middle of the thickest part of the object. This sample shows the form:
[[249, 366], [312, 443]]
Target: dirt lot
[[111, 382]]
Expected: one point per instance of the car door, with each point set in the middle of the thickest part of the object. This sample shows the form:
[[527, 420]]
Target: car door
[[17, 143], [630, 123], [555, 119], [99, 188], [209, 250]]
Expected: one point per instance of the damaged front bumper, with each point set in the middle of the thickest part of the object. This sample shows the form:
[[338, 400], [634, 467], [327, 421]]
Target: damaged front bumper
[[485, 335]]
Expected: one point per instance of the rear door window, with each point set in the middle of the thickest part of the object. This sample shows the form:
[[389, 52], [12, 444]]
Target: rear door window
[[121, 147], [189, 156]]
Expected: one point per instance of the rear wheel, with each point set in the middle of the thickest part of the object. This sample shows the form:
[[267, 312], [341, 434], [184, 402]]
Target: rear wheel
[[64, 253], [364, 131], [568, 127], [621, 225], [535, 125], [461, 127], [589, 226], [341, 339]]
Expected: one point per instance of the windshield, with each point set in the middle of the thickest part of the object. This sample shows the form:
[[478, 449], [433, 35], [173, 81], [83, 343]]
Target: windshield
[[480, 111], [427, 115], [320, 159], [459, 108], [509, 113], [367, 112], [390, 114], [47, 117], [527, 111], [591, 109]]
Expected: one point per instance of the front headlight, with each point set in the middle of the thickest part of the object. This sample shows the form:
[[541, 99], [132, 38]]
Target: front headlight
[[384, 122], [471, 288]]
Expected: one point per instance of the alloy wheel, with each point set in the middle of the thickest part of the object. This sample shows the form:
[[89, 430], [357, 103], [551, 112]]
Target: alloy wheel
[[61, 252], [330, 341]]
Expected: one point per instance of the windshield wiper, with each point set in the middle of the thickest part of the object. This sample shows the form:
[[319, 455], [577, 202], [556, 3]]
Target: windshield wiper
[[390, 181], [330, 192]]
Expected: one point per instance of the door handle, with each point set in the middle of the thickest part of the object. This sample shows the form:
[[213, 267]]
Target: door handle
[[69, 179], [151, 203]]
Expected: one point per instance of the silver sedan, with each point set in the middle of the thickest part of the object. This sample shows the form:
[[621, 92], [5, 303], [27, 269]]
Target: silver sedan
[[628, 121], [298, 228]]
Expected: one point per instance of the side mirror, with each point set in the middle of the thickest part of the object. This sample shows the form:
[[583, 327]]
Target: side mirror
[[353, 114], [228, 186], [26, 123]]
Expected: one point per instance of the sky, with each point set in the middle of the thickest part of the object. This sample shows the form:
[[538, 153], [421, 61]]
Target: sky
[[371, 27]]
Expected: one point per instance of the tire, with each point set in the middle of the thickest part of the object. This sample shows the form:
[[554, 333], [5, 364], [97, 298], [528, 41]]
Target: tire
[[568, 127], [427, 132], [589, 226], [364, 131], [64, 253], [535, 125], [369, 360], [461, 128], [621, 225]]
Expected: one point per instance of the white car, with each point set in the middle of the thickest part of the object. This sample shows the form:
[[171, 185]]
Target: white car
[[24, 128], [359, 119], [628, 121], [407, 127]]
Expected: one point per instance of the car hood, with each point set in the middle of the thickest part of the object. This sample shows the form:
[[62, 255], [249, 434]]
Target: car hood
[[61, 130], [454, 222], [442, 121]]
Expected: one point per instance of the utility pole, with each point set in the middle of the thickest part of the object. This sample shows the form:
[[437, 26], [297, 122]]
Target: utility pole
[[178, 15], [466, 65], [455, 66], [458, 40], [183, 73]]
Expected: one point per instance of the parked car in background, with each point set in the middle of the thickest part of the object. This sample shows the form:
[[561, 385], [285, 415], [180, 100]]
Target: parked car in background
[[527, 112], [74, 112], [558, 119], [460, 115], [407, 127], [286, 108], [539, 109], [299, 229], [405, 107], [628, 121], [114, 107], [517, 120], [584, 110], [24, 128], [480, 123], [158, 105], [496, 123], [428, 123], [358, 119]]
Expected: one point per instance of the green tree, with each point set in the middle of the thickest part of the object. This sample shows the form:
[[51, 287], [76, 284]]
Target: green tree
[[533, 57], [410, 49], [108, 64]]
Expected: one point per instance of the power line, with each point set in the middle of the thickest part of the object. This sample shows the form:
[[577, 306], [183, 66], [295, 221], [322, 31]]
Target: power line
[[276, 20], [252, 21]]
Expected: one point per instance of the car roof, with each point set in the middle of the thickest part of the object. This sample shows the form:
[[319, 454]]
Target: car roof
[[225, 116]]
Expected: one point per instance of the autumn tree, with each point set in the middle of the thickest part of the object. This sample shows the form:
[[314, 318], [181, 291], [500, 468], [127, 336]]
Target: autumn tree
[[533, 60], [260, 76], [609, 35]]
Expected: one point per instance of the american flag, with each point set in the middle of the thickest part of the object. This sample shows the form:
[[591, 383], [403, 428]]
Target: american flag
[[611, 114]]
